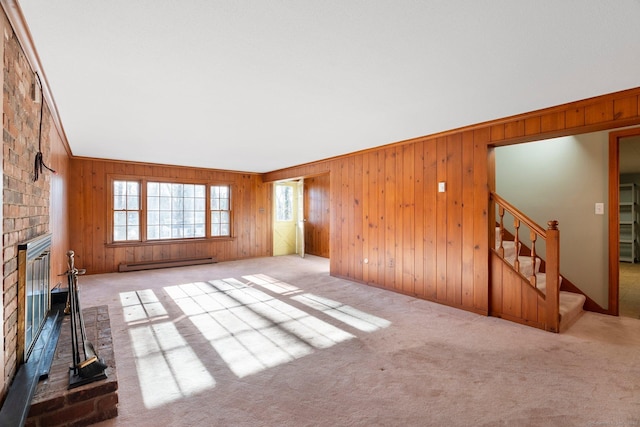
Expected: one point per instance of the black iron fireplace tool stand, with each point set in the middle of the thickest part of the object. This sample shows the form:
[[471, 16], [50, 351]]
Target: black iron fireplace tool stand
[[92, 368]]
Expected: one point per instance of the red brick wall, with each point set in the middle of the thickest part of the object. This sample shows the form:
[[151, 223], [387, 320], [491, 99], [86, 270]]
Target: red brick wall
[[25, 202]]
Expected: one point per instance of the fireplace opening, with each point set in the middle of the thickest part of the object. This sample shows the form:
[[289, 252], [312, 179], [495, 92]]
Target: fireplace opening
[[34, 291]]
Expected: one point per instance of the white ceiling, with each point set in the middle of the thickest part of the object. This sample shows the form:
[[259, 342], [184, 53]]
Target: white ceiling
[[258, 85]]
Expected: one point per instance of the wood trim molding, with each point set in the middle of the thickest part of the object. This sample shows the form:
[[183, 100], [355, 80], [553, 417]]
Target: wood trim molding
[[19, 24], [614, 216]]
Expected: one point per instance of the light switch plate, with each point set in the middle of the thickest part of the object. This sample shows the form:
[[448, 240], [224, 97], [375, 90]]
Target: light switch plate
[[441, 187], [599, 208]]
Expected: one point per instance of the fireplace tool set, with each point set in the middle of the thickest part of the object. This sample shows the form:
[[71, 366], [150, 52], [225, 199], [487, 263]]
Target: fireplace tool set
[[92, 368]]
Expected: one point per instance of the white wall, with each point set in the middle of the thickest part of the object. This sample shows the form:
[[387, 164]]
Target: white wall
[[562, 179]]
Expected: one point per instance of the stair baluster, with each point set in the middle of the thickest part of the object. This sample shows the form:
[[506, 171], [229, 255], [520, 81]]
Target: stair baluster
[[534, 280], [516, 242], [501, 247]]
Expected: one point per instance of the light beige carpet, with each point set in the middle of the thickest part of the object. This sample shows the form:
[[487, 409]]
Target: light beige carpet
[[629, 290], [278, 342]]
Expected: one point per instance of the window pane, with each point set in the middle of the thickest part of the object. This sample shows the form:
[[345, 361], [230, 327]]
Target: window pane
[[132, 218], [165, 203], [126, 207], [178, 210], [284, 203], [165, 232], [153, 189], [153, 218], [153, 232], [224, 217], [119, 188], [189, 218], [165, 189], [153, 203], [119, 232], [215, 217], [119, 218], [165, 218], [189, 204], [133, 232], [119, 202], [132, 188], [215, 229], [177, 204], [132, 202], [225, 230]]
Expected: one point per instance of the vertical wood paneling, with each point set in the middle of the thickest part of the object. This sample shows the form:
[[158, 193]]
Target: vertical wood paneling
[[357, 218], [337, 230], [468, 215], [436, 245], [373, 219], [390, 217], [530, 303], [574, 117], [382, 221], [418, 228], [497, 269], [441, 228], [408, 219], [398, 208], [482, 175], [454, 219], [366, 210], [89, 216], [511, 295], [430, 219], [317, 202]]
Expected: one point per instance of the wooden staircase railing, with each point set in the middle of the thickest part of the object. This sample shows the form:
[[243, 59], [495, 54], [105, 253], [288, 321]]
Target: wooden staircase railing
[[547, 314]]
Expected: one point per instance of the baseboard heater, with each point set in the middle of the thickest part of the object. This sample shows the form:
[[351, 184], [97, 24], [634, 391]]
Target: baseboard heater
[[150, 265]]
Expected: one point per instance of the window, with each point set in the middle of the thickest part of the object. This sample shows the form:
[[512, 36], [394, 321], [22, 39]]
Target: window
[[153, 210], [284, 203], [220, 210], [175, 211], [126, 210]]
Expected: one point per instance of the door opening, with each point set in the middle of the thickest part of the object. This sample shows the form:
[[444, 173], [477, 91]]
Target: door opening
[[625, 285], [288, 222]]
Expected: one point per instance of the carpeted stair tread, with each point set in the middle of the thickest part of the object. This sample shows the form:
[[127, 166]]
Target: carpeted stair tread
[[570, 308]]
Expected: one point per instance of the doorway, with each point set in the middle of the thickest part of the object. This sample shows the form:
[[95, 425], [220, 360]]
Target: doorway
[[302, 216], [288, 219], [627, 146]]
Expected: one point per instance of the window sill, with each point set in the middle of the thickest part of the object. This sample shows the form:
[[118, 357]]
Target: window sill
[[169, 242]]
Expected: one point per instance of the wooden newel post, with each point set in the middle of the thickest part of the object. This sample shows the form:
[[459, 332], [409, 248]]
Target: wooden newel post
[[553, 277]]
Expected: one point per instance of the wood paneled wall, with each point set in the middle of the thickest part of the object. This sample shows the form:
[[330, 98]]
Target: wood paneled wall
[[59, 205], [317, 209], [391, 228], [89, 210]]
